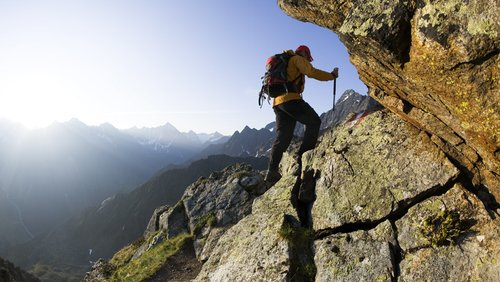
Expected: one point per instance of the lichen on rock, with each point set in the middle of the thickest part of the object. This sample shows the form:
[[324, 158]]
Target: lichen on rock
[[443, 228], [451, 247]]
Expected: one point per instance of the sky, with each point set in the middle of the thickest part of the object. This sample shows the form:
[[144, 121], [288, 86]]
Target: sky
[[194, 64]]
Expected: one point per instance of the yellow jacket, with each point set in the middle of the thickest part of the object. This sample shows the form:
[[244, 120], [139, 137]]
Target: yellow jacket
[[300, 66]]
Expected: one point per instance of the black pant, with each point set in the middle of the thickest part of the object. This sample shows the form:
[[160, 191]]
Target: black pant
[[287, 115]]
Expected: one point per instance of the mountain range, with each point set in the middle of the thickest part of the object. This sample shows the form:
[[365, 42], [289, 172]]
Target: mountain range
[[48, 175]]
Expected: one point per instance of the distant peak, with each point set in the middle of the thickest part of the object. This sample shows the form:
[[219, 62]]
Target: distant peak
[[75, 122], [11, 124], [348, 94], [247, 128], [107, 125], [169, 126]]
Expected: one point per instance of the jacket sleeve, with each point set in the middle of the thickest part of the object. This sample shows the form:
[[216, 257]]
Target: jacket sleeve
[[306, 68]]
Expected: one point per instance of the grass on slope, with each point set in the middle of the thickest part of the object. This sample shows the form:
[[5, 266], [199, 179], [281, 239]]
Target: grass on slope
[[148, 263]]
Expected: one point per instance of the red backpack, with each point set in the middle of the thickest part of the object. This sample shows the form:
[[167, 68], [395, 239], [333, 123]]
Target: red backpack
[[275, 82]]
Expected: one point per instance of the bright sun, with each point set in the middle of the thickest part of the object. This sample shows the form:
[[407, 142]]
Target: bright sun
[[31, 111], [35, 102]]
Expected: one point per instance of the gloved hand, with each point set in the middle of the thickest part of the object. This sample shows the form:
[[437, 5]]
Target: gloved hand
[[335, 73]]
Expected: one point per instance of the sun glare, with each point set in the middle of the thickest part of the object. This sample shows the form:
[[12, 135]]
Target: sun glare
[[35, 103]]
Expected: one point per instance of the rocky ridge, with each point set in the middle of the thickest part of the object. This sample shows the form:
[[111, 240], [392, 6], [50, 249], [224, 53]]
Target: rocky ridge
[[387, 205], [378, 184]]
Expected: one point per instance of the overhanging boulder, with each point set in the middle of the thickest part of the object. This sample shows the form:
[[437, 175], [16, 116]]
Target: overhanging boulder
[[434, 63]]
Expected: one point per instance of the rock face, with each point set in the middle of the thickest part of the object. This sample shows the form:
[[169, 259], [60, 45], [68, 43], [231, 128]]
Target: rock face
[[215, 203], [434, 63], [253, 249]]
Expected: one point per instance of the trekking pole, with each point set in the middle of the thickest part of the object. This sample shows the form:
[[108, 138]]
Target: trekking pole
[[334, 89]]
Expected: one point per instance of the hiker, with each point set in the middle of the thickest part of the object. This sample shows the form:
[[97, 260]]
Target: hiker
[[290, 108]]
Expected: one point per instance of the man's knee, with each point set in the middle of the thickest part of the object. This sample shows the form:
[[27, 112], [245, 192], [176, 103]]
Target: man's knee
[[281, 143]]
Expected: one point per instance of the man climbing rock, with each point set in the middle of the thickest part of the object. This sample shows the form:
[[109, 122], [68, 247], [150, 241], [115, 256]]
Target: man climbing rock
[[290, 108]]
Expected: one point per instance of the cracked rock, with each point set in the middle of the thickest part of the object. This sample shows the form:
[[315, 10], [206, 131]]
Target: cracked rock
[[357, 256], [393, 163]]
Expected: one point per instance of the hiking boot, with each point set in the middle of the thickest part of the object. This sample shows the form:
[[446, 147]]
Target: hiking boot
[[272, 176]]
